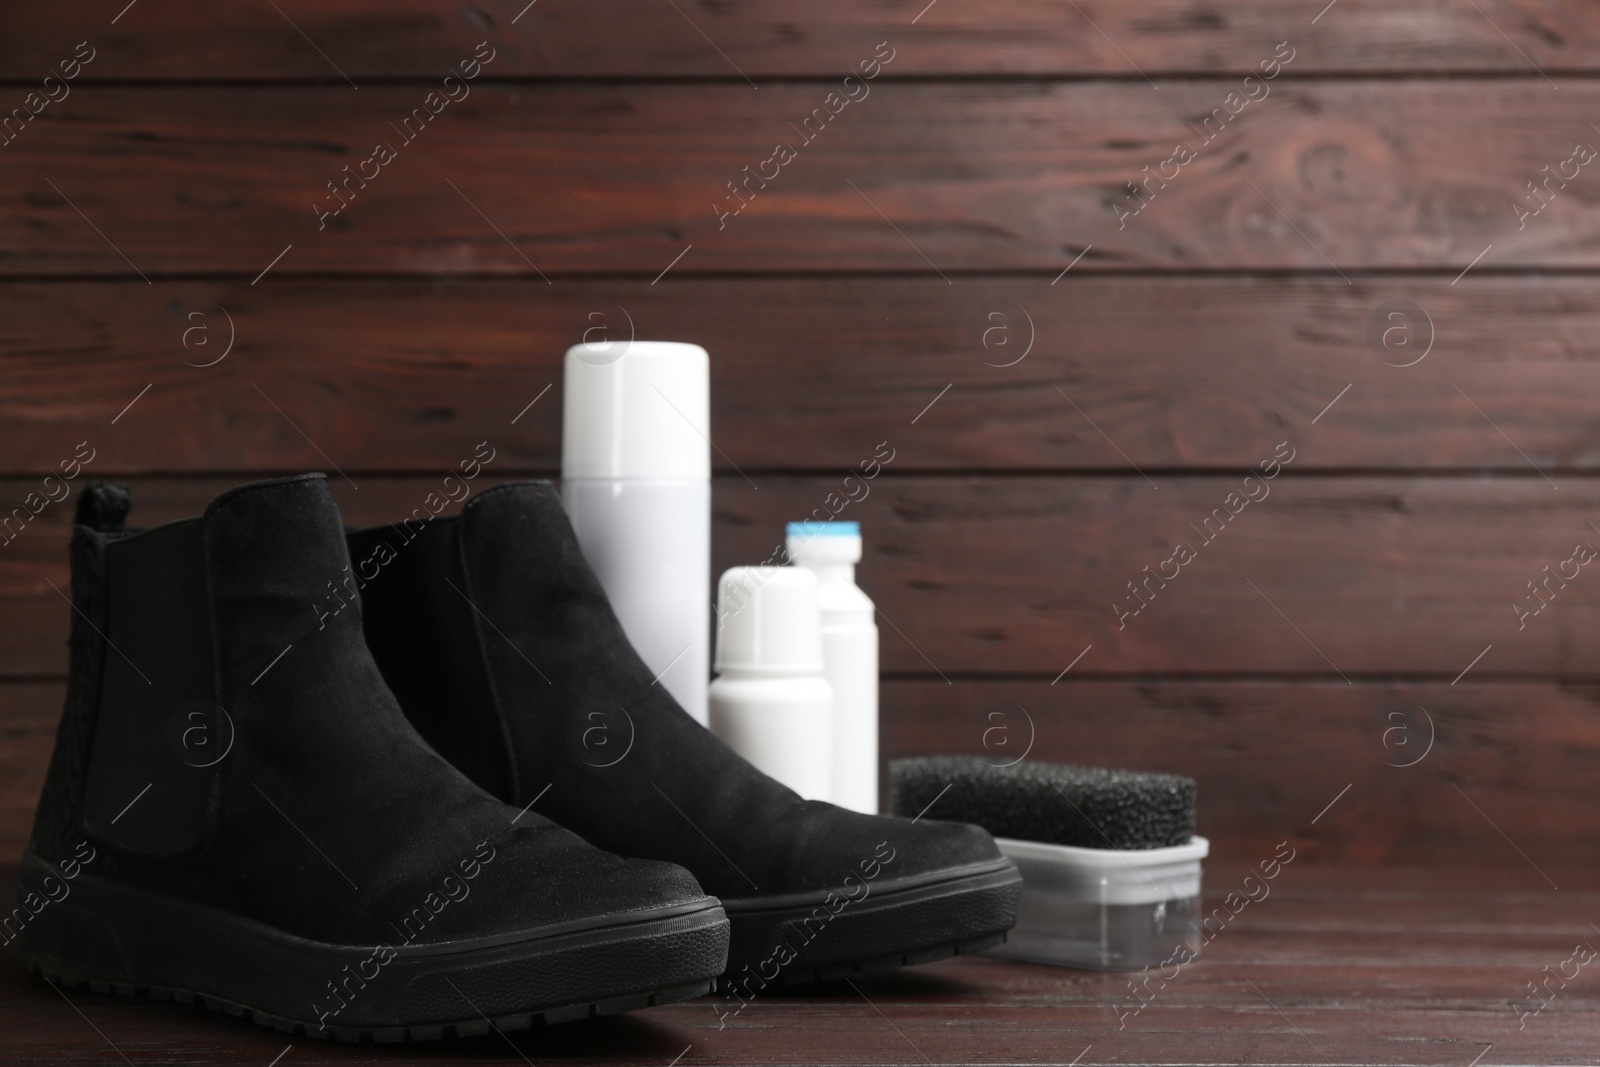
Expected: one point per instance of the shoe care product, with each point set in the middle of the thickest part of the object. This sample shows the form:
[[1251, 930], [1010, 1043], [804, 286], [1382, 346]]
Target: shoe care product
[[550, 706], [770, 702], [831, 550], [1109, 859], [636, 480], [238, 812]]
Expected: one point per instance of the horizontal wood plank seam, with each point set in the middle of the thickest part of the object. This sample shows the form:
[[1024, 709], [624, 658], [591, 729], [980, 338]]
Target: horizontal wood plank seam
[[1242, 274], [830, 77]]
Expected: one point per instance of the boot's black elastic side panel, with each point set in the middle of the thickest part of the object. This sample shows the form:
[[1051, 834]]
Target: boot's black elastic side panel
[[418, 619], [103, 507], [157, 750], [57, 822]]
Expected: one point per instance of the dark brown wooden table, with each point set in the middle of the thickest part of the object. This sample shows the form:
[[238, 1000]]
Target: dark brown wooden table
[[1336, 966]]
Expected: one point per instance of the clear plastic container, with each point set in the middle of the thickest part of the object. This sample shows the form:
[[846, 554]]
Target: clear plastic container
[[1105, 909]]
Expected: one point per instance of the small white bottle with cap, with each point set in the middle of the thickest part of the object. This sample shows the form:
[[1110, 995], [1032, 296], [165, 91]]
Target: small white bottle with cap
[[831, 550], [636, 483], [770, 702]]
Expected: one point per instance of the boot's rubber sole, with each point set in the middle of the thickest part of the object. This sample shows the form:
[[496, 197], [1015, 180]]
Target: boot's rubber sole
[[115, 938], [812, 937]]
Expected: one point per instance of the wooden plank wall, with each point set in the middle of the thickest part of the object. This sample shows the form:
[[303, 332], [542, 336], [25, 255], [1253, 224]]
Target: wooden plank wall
[[1080, 267]]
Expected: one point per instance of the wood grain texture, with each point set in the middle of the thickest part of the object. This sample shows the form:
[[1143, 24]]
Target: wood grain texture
[[1274, 759], [1326, 577], [1321, 175], [1342, 667], [1428, 765], [1345, 967], [193, 40], [1177, 373], [976, 576]]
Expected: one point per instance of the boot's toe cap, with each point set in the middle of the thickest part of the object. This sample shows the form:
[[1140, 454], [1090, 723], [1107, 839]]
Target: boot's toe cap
[[542, 877], [577, 881], [827, 844], [930, 845]]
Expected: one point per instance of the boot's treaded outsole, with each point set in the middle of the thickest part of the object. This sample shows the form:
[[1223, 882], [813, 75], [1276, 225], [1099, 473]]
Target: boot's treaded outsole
[[899, 923], [109, 936], [430, 1032]]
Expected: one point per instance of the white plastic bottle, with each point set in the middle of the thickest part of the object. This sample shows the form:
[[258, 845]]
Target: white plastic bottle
[[831, 550], [636, 482], [770, 702]]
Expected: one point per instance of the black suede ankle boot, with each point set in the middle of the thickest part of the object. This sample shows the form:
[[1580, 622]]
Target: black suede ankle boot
[[238, 813], [503, 650]]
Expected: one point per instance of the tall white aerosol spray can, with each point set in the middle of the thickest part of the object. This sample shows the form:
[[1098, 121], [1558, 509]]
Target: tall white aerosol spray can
[[831, 550], [770, 702], [636, 482]]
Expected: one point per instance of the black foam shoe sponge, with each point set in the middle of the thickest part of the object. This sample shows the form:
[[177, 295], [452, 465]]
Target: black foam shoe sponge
[[1053, 803]]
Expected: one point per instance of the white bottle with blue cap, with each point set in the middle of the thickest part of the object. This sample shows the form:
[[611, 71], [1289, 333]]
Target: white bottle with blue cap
[[831, 550]]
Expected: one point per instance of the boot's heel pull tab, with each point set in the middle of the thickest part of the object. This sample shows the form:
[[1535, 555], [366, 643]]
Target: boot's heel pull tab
[[103, 507]]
